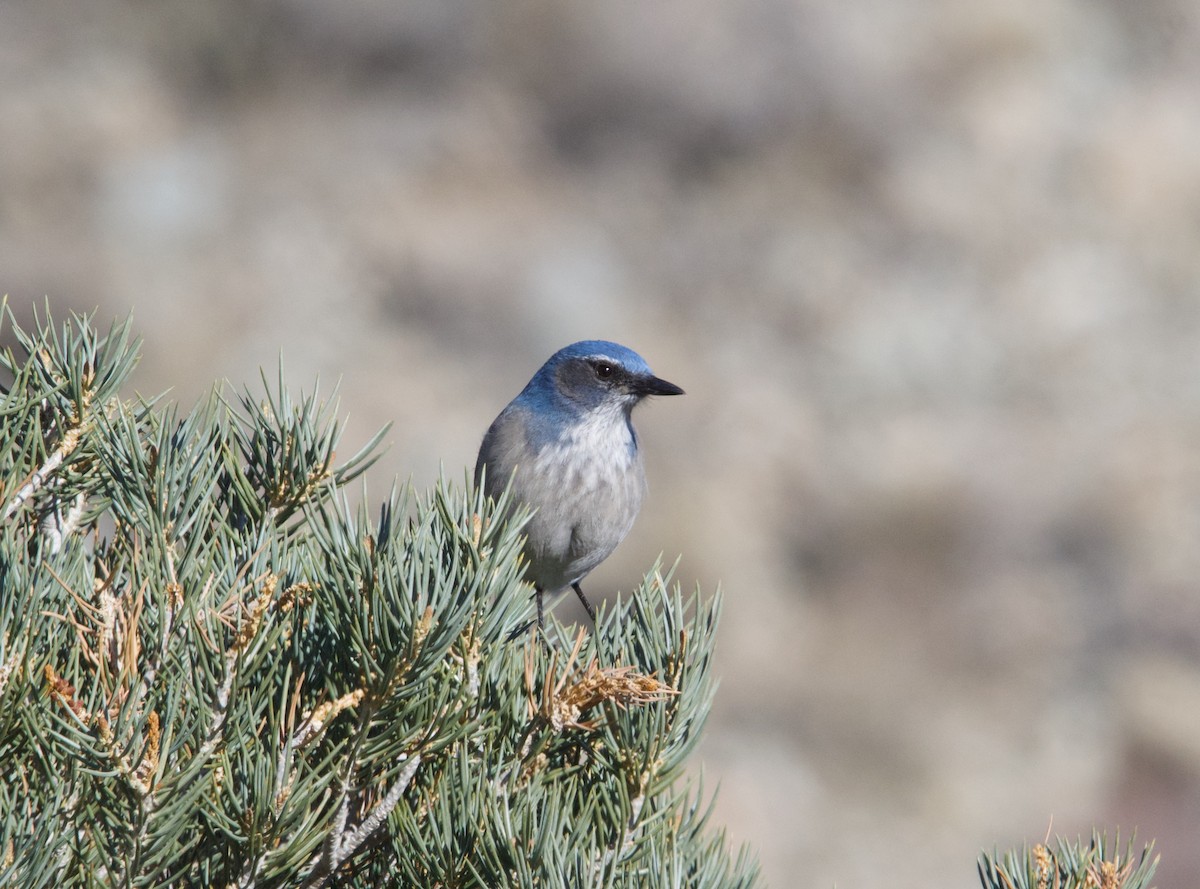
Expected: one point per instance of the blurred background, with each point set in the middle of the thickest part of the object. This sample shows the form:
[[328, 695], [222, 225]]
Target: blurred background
[[929, 272]]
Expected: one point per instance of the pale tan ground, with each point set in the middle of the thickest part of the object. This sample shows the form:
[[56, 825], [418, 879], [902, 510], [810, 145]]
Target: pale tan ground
[[929, 271]]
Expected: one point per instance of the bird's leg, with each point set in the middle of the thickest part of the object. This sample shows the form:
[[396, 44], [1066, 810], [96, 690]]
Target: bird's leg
[[587, 605], [538, 593]]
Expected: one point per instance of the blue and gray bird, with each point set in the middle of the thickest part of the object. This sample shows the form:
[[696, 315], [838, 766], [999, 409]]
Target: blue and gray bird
[[568, 448]]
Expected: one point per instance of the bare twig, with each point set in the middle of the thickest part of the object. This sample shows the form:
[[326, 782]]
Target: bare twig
[[342, 843], [43, 472]]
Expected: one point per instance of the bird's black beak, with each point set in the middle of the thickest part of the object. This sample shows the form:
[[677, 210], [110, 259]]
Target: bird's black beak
[[648, 385]]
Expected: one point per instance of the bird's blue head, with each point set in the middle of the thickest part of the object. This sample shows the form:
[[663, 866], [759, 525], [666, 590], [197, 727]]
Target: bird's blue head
[[592, 375]]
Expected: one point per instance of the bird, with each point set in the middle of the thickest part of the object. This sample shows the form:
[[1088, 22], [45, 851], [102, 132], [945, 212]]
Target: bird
[[566, 449]]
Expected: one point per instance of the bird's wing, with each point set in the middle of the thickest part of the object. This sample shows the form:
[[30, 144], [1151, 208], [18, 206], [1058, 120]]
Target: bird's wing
[[505, 446]]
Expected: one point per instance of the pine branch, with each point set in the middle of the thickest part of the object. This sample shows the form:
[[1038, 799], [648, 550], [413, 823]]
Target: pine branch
[[214, 671], [1097, 864]]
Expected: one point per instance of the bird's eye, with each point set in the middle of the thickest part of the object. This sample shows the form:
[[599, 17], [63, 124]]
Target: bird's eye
[[604, 370]]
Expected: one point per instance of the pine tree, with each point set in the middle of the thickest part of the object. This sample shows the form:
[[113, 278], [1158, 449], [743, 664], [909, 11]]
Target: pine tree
[[215, 671]]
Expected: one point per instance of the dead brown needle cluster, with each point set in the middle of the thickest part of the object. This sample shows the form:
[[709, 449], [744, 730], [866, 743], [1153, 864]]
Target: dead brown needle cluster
[[565, 701]]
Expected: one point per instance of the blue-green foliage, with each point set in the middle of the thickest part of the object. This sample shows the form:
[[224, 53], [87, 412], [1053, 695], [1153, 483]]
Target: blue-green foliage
[[215, 670], [1100, 863]]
